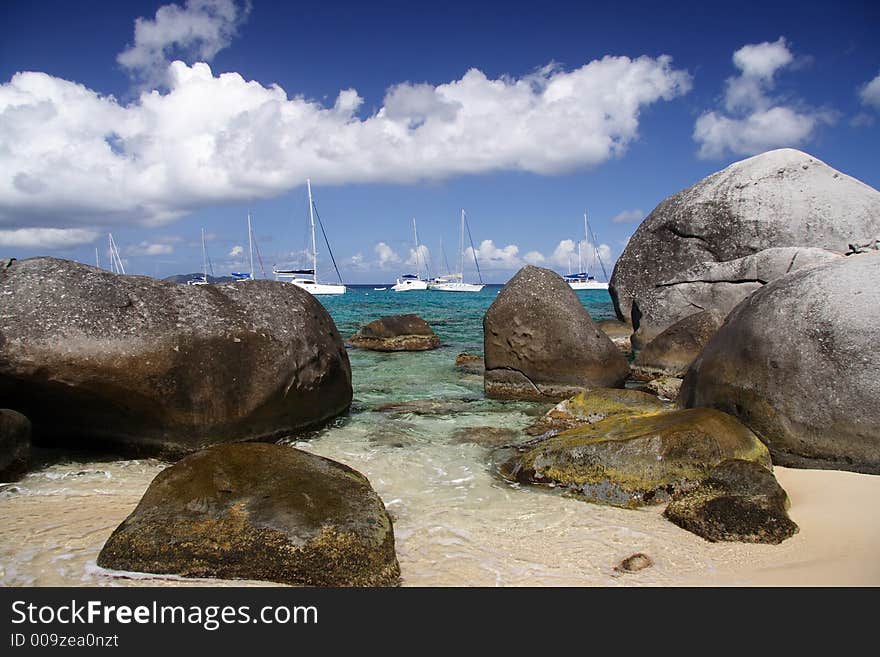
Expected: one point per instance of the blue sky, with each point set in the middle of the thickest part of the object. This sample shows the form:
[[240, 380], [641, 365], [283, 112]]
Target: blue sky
[[523, 115]]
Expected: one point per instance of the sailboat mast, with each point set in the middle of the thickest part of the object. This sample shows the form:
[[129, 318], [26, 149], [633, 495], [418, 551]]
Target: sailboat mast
[[251, 246], [97, 261], [416, 236], [461, 250], [204, 256], [586, 235], [312, 223]]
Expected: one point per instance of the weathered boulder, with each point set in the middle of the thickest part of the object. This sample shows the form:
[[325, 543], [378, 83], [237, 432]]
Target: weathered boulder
[[636, 460], [797, 362], [782, 198], [673, 351], [470, 363], [149, 366], [396, 333], [738, 501], [666, 387], [593, 406], [618, 332], [541, 343], [15, 444], [258, 511]]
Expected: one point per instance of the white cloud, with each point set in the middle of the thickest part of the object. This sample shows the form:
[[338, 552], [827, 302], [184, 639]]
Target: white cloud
[[752, 120], [387, 256], [236, 251], [199, 30], [627, 216], [46, 238], [870, 93], [492, 257], [74, 157], [534, 258], [419, 257], [149, 249]]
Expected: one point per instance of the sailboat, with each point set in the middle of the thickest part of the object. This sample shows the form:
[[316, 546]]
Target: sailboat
[[583, 280], [307, 279], [455, 282], [204, 279], [249, 275], [412, 282], [116, 265]]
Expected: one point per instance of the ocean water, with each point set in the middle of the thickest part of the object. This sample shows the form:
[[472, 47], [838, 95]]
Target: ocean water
[[456, 522]]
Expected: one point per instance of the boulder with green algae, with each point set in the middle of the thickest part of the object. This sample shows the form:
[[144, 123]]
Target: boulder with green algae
[[259, 511], [637, 460], [396, 333], [739, 501], [595, 405]]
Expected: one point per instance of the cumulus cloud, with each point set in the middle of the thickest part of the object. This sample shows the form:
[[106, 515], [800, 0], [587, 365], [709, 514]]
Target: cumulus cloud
[[627, 216], [149, 249], [197, 31], [751, 120], [386, 256], [73, 157], [492, 257], [565, 254], [236, 251], [870, 93], [46, 238], [534, 258]]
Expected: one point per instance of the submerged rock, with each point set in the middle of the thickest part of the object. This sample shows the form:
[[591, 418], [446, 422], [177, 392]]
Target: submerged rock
[[257, 511], [782, 198], [470, 363], [738, 501], [593, 406], [15, 444], [797, 362], [147, 366], [396, 333], [634, 563], [673, 351], [485, 436], [636, 460], [430, 407], [541, 343]]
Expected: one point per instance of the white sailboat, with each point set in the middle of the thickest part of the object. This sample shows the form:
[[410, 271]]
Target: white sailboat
[[116, 265], [455, 282], [412, 282], [583, 280], [204, 279], [249, 275], [307, 279]]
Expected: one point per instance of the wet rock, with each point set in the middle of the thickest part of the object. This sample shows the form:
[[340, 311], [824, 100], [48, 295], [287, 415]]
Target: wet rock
[[485, 436], [257, 511], [593, 406], [470, 363], [145, 366], [396, 333], [637, 460], [739, 501], [673, 351], [618, 332], [15, 444], [540, 342], [666, 387], [430, 407], [634, 563], [797, 363], [782, 198]]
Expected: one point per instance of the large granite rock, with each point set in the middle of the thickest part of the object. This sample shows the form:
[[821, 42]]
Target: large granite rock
[[593, 406], [636, 460], [257, 511], [738, 501], [782, 198], [798, 363], [396, 333], [541, 343], [149, 366], [15, 444], [618, 332], [673, 351]]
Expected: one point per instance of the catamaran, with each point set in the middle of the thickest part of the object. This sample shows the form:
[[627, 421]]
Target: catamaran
[[307, 279], [412, 282], [455, 282], [583, 280]]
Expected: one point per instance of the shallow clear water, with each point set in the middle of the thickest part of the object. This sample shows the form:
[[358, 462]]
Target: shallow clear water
[[456, 522]]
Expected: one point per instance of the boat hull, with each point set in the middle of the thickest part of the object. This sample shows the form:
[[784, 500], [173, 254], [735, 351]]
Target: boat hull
[[410, 286], [457, 287], [587, 285]]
